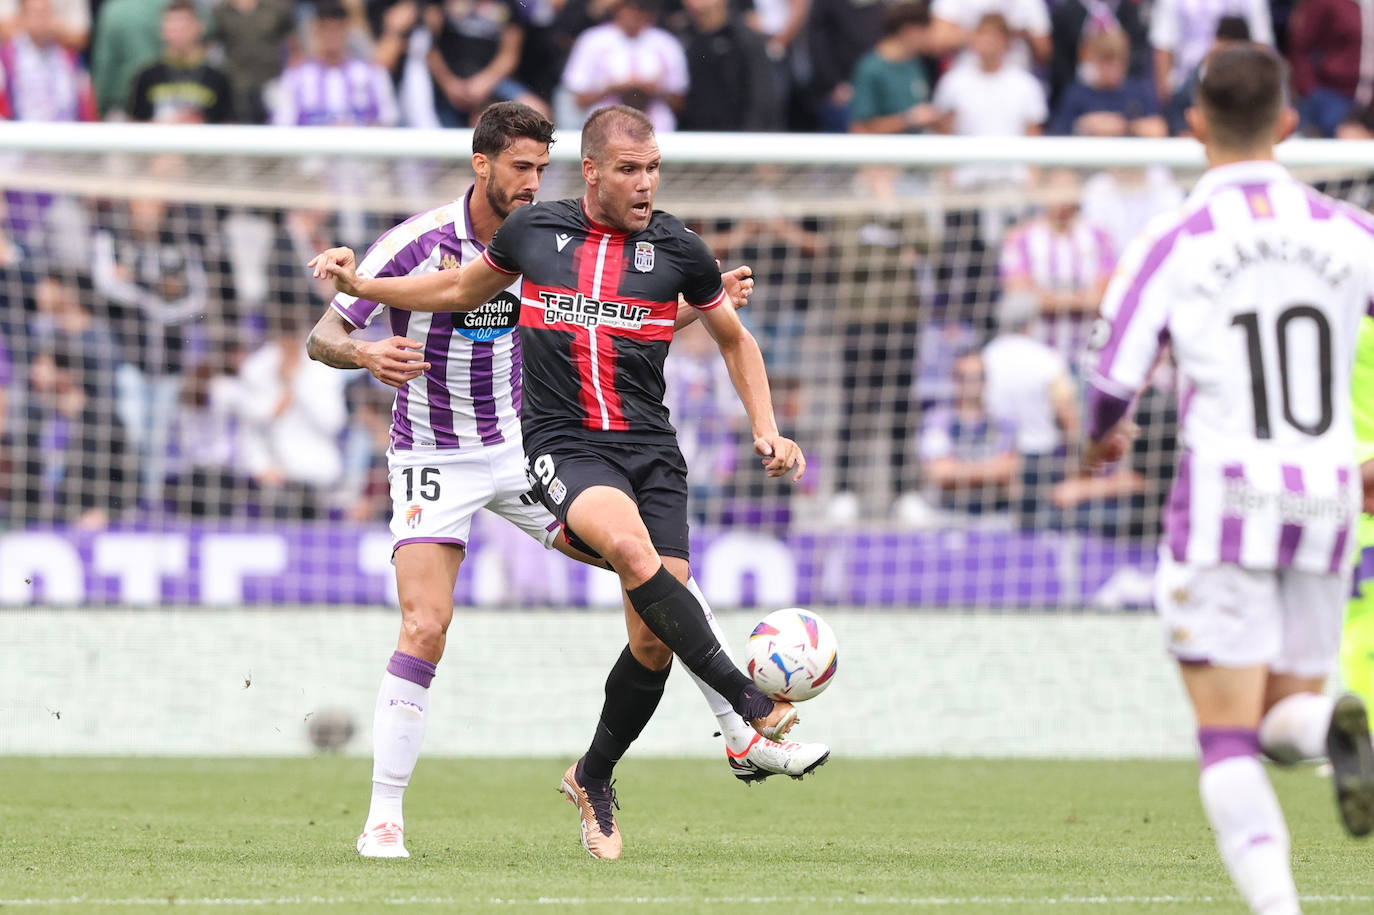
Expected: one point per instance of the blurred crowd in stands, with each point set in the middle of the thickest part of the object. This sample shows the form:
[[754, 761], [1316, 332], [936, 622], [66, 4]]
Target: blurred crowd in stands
[[977, 67], [151, 353]]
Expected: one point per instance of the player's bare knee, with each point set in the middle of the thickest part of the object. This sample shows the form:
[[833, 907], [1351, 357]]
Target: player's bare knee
[[632, 555], [424, 628]]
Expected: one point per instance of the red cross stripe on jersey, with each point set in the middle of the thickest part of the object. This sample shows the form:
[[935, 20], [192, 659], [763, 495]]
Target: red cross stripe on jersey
[[599, 260], [598, 264]]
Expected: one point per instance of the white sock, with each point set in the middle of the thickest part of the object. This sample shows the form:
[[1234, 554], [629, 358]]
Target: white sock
[[733, 728], [1295, 728], [1251, 833], [397, 730]]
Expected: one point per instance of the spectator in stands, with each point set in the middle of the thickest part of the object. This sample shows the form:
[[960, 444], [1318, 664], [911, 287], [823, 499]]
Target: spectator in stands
[[476, 51], [152, 274], [73, 420], [1073, 22], [708, 418], [876, 322], [630, 61], [986, 98], [257, 37], [1182, 32], [731, 84], [781, 23], [1122, 200], [392, 22], [1328, 39], [787, 256], [969, 458], [1063, 262], [1103, 102], [839, 32], [402, 44], [990, 97], [44, 81], [290, 289], [292, 411], [207, 479], [40, 80], [335, 87], [73, 18], [365, 489], [181, 88], [127, 38], [1230, 30], [1027, 20], [891, 91], [1029, 387], [1358, 124]]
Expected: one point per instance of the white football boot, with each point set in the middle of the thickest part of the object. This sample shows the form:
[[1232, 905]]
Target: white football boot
[[761, 757], [383, 840]]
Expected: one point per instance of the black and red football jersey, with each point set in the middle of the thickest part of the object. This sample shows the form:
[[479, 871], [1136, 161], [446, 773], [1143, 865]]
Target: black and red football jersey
[[597, 314]]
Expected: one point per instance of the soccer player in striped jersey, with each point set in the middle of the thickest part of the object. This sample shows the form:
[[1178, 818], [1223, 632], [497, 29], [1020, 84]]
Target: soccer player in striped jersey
[[456, 448], [1357, 639], [602, 280], [1258, 286]]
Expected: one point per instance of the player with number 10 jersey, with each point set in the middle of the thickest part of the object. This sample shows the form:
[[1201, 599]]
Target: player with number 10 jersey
[[1258, 286]]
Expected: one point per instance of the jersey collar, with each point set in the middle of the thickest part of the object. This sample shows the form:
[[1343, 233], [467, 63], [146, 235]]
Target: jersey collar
[[596, 226], [467, 217], [1254, 171]]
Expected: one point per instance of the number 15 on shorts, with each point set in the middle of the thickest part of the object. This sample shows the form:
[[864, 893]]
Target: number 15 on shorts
[[428, 480]]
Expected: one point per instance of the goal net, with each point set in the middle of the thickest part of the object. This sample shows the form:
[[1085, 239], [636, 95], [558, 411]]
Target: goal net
[[922, 305]]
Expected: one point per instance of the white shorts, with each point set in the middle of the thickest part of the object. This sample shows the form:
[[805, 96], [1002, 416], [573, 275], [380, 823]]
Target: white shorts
[[1229, 616], [435, 494]]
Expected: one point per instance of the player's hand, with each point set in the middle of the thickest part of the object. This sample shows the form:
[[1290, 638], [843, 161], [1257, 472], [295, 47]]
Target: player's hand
[[739, 285], [338, 265], [394, 361], [1111, 448], [780, 455]]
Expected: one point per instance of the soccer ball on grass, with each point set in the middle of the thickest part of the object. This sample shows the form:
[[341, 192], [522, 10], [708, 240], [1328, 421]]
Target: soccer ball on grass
[[792, 654]]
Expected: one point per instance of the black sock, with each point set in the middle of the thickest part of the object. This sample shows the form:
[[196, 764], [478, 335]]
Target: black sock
[[673, 614], [632, 694]]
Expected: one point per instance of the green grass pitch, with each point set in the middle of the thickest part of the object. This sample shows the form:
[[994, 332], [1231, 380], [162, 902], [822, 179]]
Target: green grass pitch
[[896, 835]]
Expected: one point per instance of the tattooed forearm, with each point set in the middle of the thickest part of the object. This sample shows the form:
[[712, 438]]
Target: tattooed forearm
[[330, 343]]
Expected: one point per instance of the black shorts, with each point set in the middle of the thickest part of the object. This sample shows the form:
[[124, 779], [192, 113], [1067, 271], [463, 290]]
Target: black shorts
[[653, 475]]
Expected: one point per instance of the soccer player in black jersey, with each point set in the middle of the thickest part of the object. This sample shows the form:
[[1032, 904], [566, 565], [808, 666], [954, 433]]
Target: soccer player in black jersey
[[602, 276]]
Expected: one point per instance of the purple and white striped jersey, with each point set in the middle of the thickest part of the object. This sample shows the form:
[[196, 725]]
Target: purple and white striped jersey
[[470, 396], [1077, 260], [357, 92], [1258, 284]]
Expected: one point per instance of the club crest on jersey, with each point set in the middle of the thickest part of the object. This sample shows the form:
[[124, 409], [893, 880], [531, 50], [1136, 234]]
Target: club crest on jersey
[[558, 491], [449, 262], [644, 256], [413, 516]]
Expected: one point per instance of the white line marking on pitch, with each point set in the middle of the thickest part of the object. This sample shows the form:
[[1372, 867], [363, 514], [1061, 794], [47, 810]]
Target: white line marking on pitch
[[911, 901]]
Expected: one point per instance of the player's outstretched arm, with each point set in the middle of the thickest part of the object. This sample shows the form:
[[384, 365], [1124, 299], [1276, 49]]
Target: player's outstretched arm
[[739, 286], [465, 289], [394, 361], [741, 352]]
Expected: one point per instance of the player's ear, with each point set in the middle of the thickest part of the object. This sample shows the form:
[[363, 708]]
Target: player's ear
[[481, 165], [589, 171], [1197, 123], [1287, 124]]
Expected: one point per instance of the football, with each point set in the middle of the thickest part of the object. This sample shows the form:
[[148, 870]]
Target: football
[[792, 654]]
